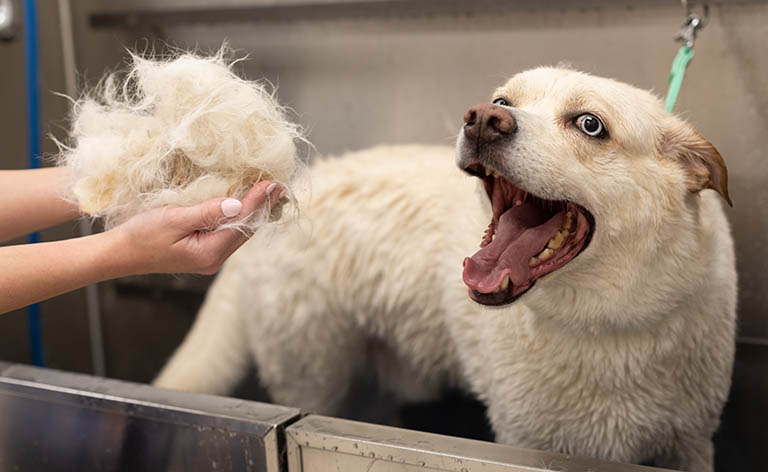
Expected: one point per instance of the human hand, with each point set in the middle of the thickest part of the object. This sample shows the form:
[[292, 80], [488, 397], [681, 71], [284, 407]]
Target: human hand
[[175, 240]]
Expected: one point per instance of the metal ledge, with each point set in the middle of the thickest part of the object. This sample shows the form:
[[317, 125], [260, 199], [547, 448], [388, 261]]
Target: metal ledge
[[61, 421], [120, 14], [317, 443]]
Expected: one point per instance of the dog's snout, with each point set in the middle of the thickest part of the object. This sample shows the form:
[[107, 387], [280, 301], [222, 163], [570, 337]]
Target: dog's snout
[[487, 122]]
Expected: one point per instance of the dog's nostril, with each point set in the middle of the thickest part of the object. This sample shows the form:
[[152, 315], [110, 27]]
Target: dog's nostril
[[502, 122], [495, 123], [470, 118]]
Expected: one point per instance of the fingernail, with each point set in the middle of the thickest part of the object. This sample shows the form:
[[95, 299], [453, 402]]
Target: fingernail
[[271, 187], [231, 207], [281, 194]]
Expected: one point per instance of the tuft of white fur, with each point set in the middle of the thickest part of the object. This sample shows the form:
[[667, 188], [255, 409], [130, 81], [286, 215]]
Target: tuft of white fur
[[176, 132]]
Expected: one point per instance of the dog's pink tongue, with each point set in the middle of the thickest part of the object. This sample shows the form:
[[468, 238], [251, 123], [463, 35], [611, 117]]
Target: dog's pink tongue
[[522, 232]]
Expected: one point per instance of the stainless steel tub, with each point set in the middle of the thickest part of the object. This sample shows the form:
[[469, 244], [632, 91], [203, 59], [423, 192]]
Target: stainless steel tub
[[59, 421], [51, 421]]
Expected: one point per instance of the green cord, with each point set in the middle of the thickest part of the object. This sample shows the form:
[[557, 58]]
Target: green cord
[[676, 74]]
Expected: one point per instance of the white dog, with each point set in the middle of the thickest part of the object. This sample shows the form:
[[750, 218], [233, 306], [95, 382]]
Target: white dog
[[597, 318]]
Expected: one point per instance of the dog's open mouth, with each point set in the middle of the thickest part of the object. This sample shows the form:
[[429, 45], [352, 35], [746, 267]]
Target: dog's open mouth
[[528, 238]]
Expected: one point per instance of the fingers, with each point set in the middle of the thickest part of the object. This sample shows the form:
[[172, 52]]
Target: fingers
[[231, 207], [256, 197], [206, 215], [212, 248], [226, 241], [262, 193], [212, 213]]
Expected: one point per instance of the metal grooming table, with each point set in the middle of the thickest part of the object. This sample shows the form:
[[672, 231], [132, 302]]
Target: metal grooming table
[[60, 421]]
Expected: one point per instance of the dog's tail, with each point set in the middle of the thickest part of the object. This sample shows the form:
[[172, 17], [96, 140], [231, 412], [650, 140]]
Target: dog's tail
[[214, 356]]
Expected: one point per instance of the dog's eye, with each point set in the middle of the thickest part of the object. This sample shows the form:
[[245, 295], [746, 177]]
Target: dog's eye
[[501, 102], [590, 125]]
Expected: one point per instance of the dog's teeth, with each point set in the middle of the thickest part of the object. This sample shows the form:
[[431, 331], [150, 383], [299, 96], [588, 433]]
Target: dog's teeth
[[496, 174], [505, 283], [518, 202], [555, 242], [568, 221], [532, 261], [488, 171], [546, 254]]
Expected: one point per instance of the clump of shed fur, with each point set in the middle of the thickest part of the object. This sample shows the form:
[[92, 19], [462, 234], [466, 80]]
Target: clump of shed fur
[[176, 132]]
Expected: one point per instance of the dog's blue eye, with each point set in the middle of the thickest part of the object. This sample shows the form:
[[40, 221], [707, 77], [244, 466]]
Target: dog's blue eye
[[502, 102], [590, 125]]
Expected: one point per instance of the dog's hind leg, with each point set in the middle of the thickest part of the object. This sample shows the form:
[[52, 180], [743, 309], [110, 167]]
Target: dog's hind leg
[[307, 355], [690, 455], [214, 356]]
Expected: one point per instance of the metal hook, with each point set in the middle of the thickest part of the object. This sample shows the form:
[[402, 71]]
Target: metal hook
[[692, 24]]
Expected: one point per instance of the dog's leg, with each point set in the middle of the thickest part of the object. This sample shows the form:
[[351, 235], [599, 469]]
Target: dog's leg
[[697, 455], [307, 357], [214, 356], [690, 455]]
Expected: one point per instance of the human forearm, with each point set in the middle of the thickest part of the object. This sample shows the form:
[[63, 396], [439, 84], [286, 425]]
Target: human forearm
[[33, 272], [32, 200], [161, 240]]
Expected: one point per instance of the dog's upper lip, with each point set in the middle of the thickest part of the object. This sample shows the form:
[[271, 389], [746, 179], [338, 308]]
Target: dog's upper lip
[[473, 168], [478, 169]]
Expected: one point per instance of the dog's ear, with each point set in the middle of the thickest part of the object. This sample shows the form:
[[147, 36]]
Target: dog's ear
[[703, 163]]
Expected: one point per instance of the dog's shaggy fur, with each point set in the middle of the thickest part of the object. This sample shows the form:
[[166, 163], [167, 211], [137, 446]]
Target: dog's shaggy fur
[[624, 353]]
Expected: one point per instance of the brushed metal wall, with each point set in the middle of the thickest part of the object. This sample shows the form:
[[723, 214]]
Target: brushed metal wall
[[402, 77], [398, 76]]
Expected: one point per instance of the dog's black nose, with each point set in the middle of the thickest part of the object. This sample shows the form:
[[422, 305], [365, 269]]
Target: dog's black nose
[[487, 122]]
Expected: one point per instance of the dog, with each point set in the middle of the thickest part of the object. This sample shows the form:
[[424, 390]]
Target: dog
[[596, 319]]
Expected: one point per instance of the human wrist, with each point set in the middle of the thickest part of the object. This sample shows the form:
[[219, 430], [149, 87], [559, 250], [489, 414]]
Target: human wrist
[[114, 257]]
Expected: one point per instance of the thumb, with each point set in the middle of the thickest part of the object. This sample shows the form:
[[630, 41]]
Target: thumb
[[208, 215]]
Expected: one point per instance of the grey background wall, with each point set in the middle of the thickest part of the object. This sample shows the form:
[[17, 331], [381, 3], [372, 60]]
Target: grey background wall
[[405, 72]]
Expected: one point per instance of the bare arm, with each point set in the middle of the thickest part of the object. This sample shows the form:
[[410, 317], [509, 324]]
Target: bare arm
[[160, 240], [32, 200]]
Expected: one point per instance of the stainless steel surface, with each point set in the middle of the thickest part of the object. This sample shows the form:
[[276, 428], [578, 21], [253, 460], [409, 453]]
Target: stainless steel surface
[[410, 78], [68, 48], [59, 421], [129, 13], [92, 303], [319, 444]]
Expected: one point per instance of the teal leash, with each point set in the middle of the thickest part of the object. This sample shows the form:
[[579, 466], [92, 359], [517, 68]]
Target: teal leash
[[676, 75]]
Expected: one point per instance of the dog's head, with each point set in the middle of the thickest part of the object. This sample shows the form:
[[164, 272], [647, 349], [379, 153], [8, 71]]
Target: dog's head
[[570, 162]]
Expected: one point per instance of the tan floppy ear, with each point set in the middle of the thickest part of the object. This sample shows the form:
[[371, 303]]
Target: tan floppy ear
[[704, 164]]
